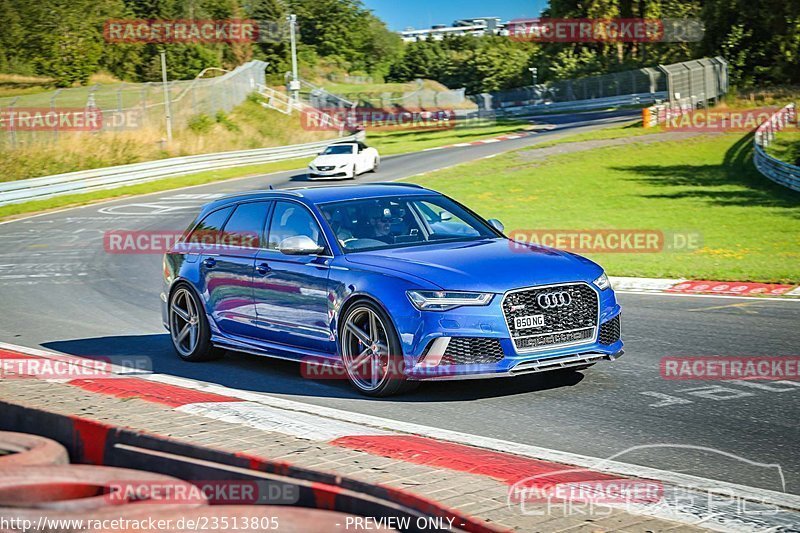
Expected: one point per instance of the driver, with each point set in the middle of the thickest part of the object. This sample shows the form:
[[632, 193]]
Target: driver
[[380, 222]]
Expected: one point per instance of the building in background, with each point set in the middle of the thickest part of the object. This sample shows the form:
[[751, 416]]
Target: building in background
[[478, 26]]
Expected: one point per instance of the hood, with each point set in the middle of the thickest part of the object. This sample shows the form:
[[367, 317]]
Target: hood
[[487, 265], [333, 160]]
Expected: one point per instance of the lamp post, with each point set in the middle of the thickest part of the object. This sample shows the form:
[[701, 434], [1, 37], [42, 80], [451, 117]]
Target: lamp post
[[294, 85], [167, 109]]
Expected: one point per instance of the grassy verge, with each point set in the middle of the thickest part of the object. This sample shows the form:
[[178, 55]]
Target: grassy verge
[[748, 226], [398, 141], [248, 126], [200, 178], [786, 147]]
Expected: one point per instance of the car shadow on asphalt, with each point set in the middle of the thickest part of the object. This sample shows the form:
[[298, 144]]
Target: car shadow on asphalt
[[275, 376]]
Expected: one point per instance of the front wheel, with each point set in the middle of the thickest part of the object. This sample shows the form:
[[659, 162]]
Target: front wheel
[[371, 351], [188, 327], [376, 164]]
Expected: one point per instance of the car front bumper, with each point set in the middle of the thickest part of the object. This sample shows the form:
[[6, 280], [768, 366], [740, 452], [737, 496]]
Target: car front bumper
[[427, 338], [329, 174]]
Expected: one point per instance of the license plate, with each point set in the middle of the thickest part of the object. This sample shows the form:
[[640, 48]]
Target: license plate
[[529, 321]]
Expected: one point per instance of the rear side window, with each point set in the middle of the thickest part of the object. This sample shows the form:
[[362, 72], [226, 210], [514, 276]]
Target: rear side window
[[290, 220], [208, 230], [246, 226]]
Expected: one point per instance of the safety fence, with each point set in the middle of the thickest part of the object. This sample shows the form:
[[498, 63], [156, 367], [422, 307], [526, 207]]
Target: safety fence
[[773, 168], [128, 106], [688, 83], [112, 177]]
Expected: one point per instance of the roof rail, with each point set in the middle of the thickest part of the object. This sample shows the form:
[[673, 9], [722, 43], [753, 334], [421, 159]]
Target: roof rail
[[256, 192], [396, 184]]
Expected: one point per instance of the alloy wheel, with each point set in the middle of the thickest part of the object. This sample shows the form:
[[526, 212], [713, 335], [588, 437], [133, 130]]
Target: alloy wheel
[[184, 322], [365, 349]]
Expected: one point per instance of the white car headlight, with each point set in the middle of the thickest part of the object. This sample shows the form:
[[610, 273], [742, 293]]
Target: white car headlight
[[446, 300], [602, 282]]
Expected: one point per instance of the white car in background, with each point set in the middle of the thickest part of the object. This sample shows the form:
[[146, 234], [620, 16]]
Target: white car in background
[[344, 160]]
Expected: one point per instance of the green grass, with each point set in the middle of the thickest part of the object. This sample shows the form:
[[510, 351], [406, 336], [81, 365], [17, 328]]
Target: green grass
[[200, 178], [369, 88], [749, 226], [786, 147], [402, 141]]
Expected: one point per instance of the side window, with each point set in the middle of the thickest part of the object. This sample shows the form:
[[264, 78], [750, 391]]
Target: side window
[[290, 220], [207, 231], [442, 223], [246, 225]]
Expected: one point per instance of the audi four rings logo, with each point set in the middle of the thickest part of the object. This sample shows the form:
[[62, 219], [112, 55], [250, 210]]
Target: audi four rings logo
[[550, 300]]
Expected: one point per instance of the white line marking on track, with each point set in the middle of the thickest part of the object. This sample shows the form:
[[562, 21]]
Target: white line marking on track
[[723, 296], [684, 480], [259, 416]]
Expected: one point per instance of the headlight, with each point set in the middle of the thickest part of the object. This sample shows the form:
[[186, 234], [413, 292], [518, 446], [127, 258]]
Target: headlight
[[446, 300], [602, 282], [343, 166], [312, 166]]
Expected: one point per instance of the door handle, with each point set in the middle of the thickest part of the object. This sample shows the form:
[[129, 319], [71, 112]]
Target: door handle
[[263, 269], [210, 262]]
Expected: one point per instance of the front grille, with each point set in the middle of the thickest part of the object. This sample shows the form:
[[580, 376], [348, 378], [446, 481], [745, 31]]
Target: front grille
[[570, 323], [610, 331], [325, 169], [472, 351]]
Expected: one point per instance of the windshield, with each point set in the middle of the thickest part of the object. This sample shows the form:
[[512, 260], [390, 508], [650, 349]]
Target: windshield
[[392, 222], [338, 149]]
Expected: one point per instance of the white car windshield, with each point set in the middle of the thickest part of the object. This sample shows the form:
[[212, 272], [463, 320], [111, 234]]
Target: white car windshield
[[338, 149]]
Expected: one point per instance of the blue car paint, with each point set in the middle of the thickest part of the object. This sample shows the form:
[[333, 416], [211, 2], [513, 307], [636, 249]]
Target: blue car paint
[[328, 284]]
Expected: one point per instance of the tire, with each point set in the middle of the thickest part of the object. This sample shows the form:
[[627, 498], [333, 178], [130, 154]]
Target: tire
[[376, 164], [377, 370], [83, 488], [22, 449], [354, 175], [186, 310]]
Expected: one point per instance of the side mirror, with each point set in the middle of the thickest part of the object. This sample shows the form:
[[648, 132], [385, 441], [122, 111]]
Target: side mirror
[[496, 224], [445, 215], [299, 245]]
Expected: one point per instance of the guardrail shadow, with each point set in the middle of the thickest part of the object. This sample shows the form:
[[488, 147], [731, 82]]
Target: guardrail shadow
[[275, 376], [712, 182]]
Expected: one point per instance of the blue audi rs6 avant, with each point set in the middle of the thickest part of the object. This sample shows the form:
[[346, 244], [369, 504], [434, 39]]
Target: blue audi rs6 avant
[[387, 284]]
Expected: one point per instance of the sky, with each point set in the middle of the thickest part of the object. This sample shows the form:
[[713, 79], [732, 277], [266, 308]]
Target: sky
[[399, 14]]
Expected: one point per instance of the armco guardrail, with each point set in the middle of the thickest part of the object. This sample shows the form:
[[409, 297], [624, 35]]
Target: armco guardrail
[[111, 177], [584, 105], [778, 171]]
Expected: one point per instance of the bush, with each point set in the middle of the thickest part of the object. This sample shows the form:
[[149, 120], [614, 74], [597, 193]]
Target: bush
[[201, 124]]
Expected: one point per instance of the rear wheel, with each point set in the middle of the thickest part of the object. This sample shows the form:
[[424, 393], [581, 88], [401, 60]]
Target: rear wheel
[[371, 351], [376, 164], [188, 327]]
